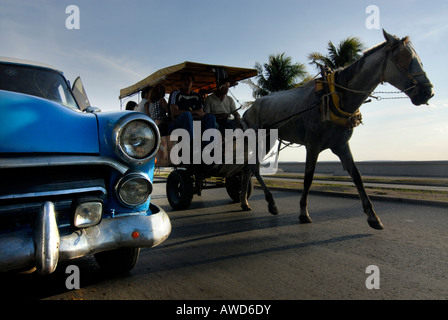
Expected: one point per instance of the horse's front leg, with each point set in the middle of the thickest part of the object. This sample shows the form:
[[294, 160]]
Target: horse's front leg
[[345, 155], [310, 167]]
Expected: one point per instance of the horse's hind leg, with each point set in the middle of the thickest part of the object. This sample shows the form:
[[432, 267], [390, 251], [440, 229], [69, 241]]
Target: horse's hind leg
[[344, 153], [310, 167], [245, 176]]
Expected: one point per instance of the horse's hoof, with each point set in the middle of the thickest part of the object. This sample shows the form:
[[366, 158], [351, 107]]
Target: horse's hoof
[[246, 207], [305, 219], [273, 210], [375, 224]]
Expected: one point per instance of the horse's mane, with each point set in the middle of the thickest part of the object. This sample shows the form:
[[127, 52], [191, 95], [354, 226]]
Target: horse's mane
[[347, 73]]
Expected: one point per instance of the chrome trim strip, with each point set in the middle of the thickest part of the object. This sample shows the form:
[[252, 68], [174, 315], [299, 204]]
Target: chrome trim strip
[[52, 193], [43, 161]]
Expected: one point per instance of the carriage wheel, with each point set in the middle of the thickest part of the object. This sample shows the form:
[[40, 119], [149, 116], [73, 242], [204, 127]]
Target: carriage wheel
[[179, 189], [233, 187]]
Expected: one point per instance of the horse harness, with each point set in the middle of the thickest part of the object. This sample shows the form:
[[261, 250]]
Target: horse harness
[[330, 108], [325, 88]]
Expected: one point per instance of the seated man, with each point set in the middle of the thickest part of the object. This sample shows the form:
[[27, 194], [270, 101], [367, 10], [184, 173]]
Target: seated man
[[186, 105], [222, 106], [141, 107]]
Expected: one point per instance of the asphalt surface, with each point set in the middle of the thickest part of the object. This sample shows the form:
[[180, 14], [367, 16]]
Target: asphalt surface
[[216, 251], [431, 191], [405, 186]]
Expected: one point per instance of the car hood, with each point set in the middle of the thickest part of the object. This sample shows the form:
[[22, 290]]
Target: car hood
[[31, 124]]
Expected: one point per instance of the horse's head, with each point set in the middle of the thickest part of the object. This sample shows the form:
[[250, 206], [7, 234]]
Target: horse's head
[[404, 70]]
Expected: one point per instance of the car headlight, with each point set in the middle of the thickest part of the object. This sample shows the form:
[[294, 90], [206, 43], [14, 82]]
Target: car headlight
[[137, 138], [133, 189], [87, 212]]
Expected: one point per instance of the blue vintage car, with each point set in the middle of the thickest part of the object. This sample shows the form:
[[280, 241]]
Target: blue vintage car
[[73, 181]]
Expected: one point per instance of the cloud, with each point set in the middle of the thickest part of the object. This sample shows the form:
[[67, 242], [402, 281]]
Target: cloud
[[442, 129], [100, 66]]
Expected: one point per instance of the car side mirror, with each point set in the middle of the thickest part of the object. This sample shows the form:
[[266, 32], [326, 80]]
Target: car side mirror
[[80, 94], [91, 109]]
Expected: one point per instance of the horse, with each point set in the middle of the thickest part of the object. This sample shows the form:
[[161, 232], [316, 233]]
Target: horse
[[322, 114]]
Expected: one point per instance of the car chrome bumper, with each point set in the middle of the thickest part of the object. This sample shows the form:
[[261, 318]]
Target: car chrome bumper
[[44, 246]]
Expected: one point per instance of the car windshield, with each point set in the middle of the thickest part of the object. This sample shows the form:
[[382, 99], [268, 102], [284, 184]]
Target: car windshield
[[38, 82]]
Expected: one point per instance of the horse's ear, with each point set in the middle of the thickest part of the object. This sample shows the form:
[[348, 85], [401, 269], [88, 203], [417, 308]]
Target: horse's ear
[[389, 38]]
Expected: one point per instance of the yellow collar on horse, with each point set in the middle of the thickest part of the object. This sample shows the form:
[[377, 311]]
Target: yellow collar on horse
[[333, 111]]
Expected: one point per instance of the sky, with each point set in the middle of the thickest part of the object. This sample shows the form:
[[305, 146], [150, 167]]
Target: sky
[[118, 43]]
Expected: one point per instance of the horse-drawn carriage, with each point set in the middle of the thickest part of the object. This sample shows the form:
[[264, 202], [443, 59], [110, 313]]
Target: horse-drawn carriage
[[188, 179], [319, 115]]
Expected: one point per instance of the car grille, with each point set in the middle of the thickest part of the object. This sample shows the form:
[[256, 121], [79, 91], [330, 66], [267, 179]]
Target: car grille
[[24, 190]]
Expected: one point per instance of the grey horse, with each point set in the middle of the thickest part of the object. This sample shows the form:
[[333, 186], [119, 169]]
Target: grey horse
[[322, 114]]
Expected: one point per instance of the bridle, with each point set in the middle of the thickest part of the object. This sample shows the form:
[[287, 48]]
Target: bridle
[[402, 61]]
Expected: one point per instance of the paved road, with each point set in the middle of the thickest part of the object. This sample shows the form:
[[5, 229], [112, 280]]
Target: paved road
[[216, 251], [386, 185]]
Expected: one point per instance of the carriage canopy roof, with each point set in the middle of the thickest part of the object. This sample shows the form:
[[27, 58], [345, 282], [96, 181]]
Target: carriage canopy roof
[[205, 76]]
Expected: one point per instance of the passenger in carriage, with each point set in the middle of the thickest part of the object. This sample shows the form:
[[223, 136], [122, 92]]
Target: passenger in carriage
[[131, 105], [185, 105], [158, 108], [223, 107], [141, 107], [203, 94]]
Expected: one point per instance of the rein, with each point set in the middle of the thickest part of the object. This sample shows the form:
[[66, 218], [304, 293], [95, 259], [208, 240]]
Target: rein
[[371, 94]]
